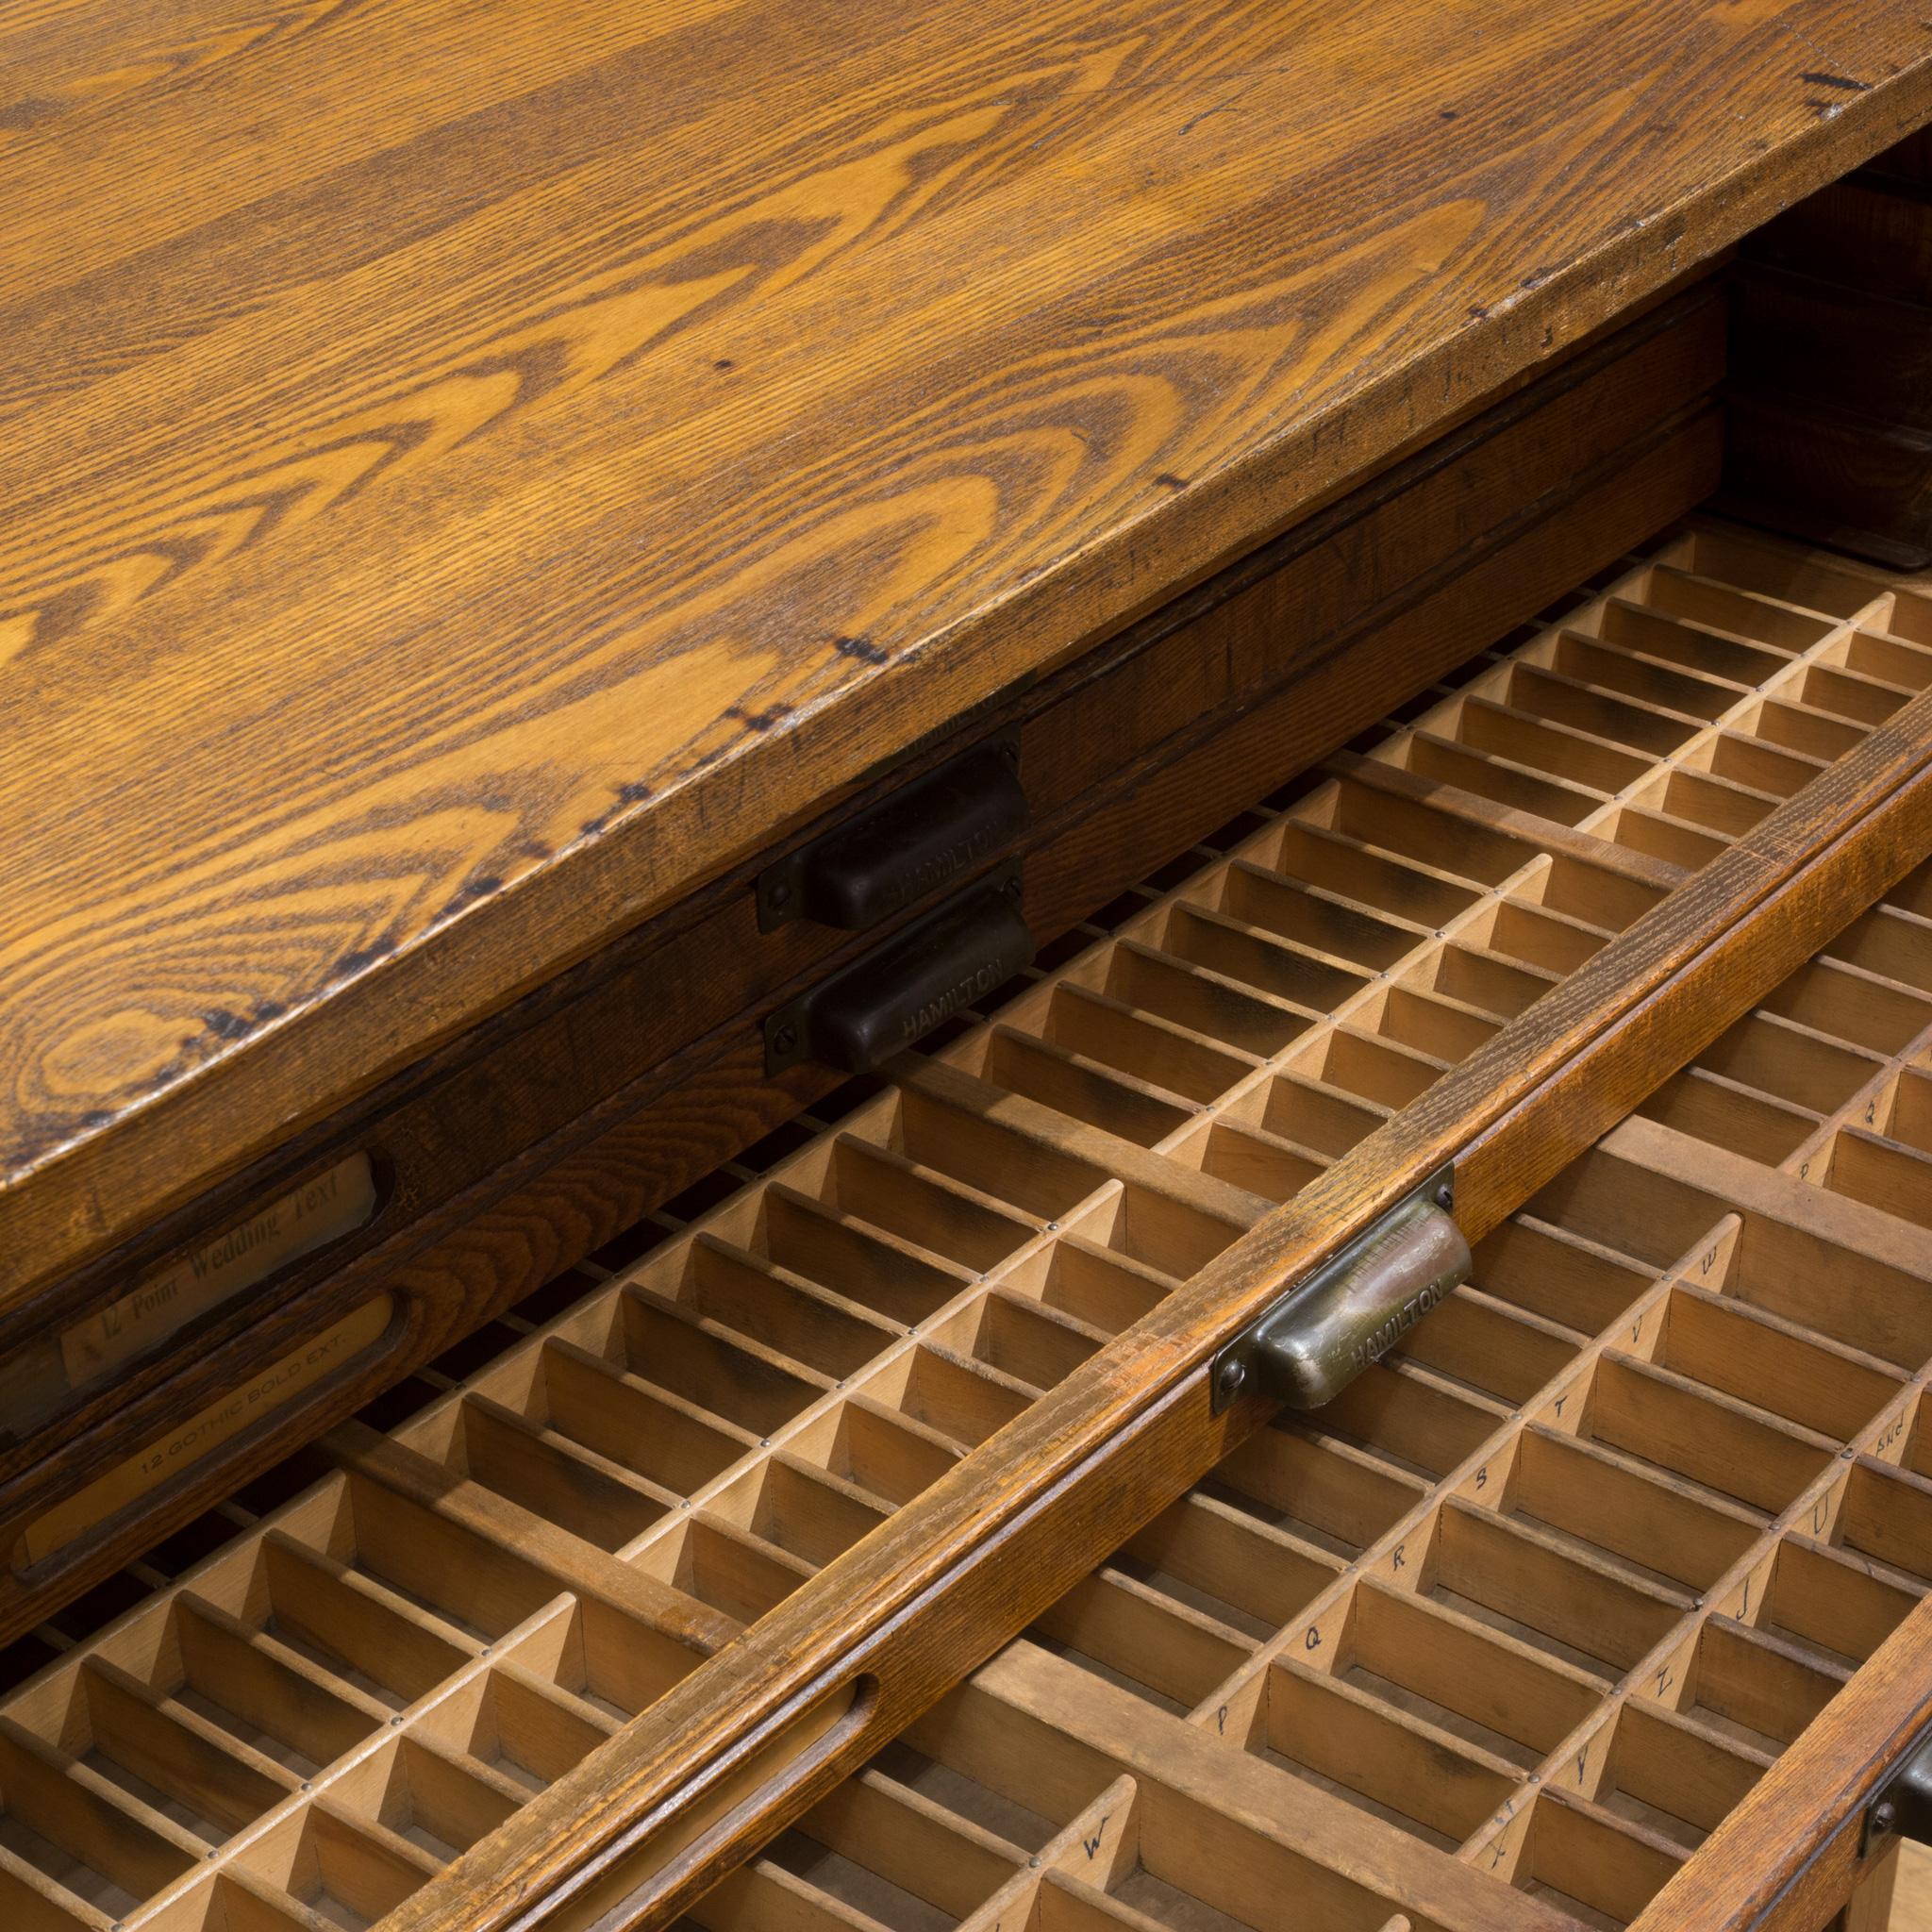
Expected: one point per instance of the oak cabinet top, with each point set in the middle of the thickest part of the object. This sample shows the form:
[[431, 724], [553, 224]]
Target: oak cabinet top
[[469, 473]]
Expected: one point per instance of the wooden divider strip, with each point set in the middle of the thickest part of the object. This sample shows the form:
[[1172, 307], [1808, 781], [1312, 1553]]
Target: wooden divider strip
[[1163, 1751]]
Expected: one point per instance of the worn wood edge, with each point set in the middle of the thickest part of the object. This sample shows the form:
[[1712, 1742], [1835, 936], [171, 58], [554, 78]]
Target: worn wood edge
[[1789, 1855], [116, 1241], [557, 915], [1512, 1116], [462, 1294], [1626, 333], [26, 1298]]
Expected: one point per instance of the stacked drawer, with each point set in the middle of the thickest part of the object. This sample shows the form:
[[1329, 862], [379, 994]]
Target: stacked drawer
[[1532, 1605], [1456, 1647]]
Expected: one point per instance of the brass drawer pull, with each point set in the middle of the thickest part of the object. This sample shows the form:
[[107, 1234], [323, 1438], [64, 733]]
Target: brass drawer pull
[[1313, 1343]]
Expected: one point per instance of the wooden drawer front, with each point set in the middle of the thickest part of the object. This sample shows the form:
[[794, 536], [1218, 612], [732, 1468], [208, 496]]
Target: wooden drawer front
[[375, 1674], [209, 1347]]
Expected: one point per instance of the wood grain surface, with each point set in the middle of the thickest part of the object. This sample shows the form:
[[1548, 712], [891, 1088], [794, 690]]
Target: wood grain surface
[[469, 474], [510, 1157], [1769, 1866]]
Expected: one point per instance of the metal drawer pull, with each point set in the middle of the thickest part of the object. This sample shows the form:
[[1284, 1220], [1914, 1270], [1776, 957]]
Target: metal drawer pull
[[904, 847], [1320, 1336], [900, 990], [1902, 1806]]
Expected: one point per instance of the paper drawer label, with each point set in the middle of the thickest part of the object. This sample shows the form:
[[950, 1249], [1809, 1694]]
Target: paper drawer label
[[331, 1204], [220, 1421]]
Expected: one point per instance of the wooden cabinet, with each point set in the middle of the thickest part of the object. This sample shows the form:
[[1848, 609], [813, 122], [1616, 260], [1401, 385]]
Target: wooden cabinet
[[757, 768], [1503, 1635], [366, 1245]]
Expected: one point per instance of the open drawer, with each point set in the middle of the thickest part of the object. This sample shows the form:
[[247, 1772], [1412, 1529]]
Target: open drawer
[[1513, 1633], [1589, 1546]]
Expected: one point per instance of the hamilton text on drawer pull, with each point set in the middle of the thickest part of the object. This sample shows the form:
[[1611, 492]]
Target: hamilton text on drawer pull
[[895, 994], [1350, 1312]]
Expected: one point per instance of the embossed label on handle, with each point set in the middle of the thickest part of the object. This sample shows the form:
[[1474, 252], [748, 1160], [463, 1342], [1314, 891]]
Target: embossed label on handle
[[904, 988], [1352, 1310]]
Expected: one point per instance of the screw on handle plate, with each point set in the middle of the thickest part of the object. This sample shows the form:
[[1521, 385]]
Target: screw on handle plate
[[1326, 1329], [1902, 1806]]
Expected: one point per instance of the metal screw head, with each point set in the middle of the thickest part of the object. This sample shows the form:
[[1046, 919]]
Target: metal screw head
[[1230, 1377], [1885, 1817], [1445, 1196], [779, 893], [786, 1038]]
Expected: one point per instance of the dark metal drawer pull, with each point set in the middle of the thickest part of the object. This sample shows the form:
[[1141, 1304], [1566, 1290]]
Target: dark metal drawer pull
[[1902, 1806], [901, 990], [904, 847]]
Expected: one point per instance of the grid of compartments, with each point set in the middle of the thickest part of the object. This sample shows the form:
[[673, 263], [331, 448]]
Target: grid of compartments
[[1780, 1086], [1498, 1637], [1502, 1635], [298, 1729]]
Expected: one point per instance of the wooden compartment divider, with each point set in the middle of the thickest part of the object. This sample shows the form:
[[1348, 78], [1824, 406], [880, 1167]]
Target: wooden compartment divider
[[1502, 1639], [419, 1653]]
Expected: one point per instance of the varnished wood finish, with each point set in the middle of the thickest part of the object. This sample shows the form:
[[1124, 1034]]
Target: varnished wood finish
[[470, 480], [1788, 1857], [521, 1149]]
